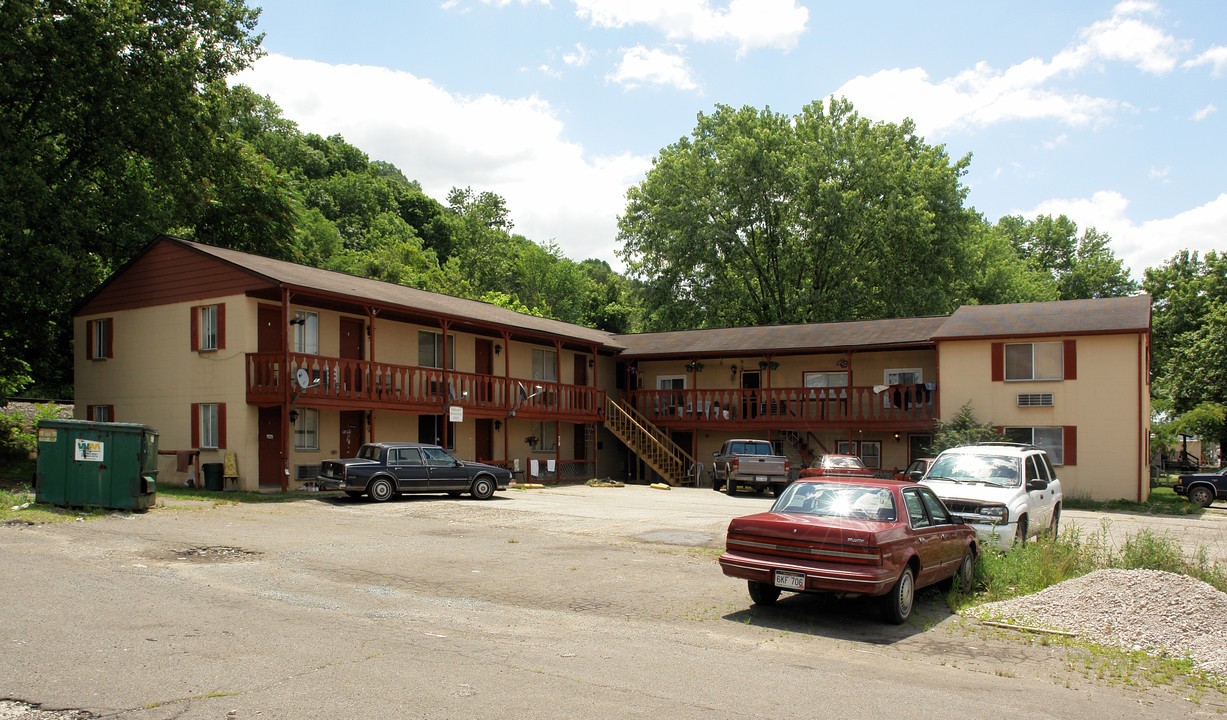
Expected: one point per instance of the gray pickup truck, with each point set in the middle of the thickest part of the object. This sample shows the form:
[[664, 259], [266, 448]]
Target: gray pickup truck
[[750, 463]]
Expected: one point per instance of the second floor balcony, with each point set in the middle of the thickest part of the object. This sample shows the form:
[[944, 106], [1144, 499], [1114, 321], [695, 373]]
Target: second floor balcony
[[349, 384], [897, 407]]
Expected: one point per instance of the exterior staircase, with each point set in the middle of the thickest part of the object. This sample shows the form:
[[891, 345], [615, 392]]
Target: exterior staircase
[[650, 443]]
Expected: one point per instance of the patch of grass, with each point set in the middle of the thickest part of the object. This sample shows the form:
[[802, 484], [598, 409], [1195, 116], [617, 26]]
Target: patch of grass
[[179, 492], [1031, 567], [17, 504], [1163, 500]]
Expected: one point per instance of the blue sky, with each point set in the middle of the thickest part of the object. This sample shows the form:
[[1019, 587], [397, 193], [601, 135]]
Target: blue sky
[[1114, 113]]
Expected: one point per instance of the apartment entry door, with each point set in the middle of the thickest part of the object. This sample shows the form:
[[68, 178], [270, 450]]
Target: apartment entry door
[[269, 424], [351, 432]]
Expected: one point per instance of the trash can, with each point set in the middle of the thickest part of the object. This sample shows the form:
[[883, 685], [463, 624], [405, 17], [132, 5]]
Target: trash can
[[212, 475], [96, 464]]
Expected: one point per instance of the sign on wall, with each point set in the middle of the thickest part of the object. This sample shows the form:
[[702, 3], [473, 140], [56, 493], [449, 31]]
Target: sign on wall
[[88, 450], [456, 414]]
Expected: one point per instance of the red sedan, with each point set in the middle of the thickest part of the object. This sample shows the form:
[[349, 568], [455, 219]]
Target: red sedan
[[842, 465], [851, 537]]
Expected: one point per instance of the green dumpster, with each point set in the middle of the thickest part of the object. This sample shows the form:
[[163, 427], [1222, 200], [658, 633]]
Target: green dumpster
[[96, 464]]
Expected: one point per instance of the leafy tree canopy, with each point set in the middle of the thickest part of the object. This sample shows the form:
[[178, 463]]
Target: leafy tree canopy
[[761, 218]]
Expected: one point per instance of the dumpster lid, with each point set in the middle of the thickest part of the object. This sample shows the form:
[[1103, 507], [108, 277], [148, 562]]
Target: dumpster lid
[[94, 425]]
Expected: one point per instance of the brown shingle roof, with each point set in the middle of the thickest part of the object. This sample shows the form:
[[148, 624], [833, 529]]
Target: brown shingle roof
[[386, 293], [857, 334], [1106, 315]]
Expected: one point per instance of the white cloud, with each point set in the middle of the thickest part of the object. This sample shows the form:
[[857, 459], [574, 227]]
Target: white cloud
[[749, 23], [579, 57], [1161, 174], [1216, 56], [1056, 142], [1204, 112], [983, 95], [656, 67], [514, 147], [1152, 242], [1128, 39]]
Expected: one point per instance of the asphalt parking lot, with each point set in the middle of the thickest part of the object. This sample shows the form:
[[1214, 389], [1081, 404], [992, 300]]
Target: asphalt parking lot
[[566, 602]]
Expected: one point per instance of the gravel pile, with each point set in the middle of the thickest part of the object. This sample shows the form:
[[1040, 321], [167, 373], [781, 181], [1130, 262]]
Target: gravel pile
[[1158, 612], [29, 412]]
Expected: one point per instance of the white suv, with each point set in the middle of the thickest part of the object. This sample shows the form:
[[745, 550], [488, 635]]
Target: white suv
[[1006, 491]]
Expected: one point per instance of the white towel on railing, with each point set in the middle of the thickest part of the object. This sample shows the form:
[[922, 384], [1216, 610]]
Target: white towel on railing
[[534, 467], [549, 466]]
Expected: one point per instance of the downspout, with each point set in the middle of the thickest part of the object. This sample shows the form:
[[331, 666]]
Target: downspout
[[285, 388], [558, 400], [447, 381], [1144, 435], [371, 313], [507, 395]]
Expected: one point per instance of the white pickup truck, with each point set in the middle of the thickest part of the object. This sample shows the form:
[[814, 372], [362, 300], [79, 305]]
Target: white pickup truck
[[752, 463], [1007, 491]]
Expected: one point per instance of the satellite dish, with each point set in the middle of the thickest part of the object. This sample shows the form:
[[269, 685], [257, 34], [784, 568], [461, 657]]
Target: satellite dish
[[303, 377]]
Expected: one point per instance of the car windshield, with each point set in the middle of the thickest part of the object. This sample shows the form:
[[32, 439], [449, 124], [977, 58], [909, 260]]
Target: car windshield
[[838, 500], [836, 461], [998, 470]]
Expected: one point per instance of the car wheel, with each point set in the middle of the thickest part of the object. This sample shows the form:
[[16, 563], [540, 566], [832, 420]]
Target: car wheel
[[730, 486], [1055, 525], [1020, 534], [1201, 495], [897, 605], [716, 484], [483, 487], [966, 576], [777, 490], [381, 489], [762, 593]]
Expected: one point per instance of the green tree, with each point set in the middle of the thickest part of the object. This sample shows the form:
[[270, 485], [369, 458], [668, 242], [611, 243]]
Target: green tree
[[962, 429], [761, 218], [1078, 267], [1189, 340], [107, 127]]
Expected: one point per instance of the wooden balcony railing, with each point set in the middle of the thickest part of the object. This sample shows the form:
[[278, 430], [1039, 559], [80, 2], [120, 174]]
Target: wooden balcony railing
[[899, 406], [365, 384]]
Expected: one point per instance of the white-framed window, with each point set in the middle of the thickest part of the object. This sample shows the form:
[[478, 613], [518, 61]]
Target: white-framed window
[[917, 394], [307, 429], [99, 341], [871, 453], [306, 332], [1049, 439], [209, 425], [547, 436], [545, 365], [208, 327], [903, 376], [430, 350], [670, 382], [825, 379], [100, 413], [1035, 361]]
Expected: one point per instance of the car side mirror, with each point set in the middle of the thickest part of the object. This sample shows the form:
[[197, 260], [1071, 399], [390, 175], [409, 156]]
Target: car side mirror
[[716, 454], [1037, 485]]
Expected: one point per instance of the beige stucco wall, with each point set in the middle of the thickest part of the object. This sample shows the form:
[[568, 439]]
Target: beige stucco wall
[[1109, 403], [154, 377]]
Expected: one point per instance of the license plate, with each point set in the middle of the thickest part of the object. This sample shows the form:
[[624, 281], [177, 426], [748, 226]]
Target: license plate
[[760, 478], [790, 580]]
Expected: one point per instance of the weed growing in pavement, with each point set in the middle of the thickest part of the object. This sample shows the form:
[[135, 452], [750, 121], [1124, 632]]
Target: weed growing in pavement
[[1163, 500]]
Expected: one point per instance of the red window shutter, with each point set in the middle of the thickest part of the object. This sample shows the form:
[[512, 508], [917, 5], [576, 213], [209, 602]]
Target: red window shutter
[[109, 329], [1071, 445], [195, 425], [89, 339], [999, 429], [89, 412], [195, 327], [111, 413], [221, 425], [1071, 360], [998, 362], [221, 326]]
